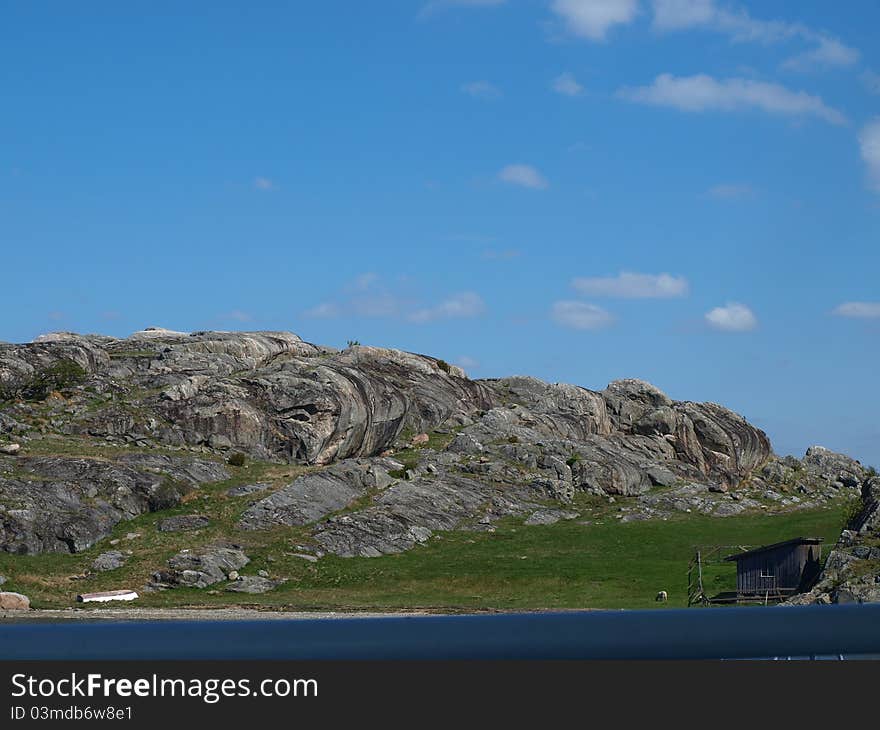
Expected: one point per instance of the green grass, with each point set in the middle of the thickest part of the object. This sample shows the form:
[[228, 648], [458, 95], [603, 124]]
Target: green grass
[[604, 564]]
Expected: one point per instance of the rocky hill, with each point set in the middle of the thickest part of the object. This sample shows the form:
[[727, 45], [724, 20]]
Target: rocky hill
[[392, 446]]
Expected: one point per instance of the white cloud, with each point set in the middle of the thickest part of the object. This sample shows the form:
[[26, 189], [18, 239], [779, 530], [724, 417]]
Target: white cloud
[[324, 310], [829, 52], [264, 183], [731, 191], [702, 93], [369, 297], [458, 306], [364, 297], [482, 90], [869, 145], [592, 19], [523, 175], [580, 316], [628, 285], [859, 310], [364, 281], [467, 362], [238, 316], [733, 317], [567, 85], [502, 255], [736, 22]]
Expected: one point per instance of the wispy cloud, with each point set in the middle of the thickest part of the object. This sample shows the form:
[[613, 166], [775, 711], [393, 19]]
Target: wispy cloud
[[731, 191], [869, 146], [737, 23], [525, 176], [858, 310], [732, 317], [482, 90], [264, 184], [702, 93], [829, 52], [467, 362], [504, 255], [237, 315], [629, 285], [592, 19], [459, 306], [362, 282], [580, 315], [369, 297], [567, 85]]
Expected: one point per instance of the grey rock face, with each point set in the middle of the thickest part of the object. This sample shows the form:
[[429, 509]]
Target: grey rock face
[[268, 394], [851, 573], [549, 516], [409, 512], [314, 496], [109, 561], [65, 504], [516, 446], [251, 584], [834, 467], [247, 489], [183, 523], [200, 568]]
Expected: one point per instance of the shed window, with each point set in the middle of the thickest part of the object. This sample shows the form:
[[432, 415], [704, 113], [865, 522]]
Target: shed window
[[767, 573]]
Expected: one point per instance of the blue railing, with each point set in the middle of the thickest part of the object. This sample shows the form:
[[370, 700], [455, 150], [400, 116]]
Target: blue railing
[[808, 631]]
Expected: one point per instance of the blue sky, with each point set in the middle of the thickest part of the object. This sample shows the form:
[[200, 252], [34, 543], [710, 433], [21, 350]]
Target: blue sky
[[685, 191]]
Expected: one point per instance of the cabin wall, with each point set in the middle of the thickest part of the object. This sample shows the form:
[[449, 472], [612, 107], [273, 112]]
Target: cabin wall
[[781, 569]]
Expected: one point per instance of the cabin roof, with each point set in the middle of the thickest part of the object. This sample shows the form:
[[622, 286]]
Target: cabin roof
[[774, 546]]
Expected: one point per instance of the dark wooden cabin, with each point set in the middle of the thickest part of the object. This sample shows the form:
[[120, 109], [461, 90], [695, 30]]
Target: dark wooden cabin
[[777, 570]]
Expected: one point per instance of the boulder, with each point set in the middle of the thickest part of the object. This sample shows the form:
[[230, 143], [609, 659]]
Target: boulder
[[14, 602], [109, 561], [201, 567]]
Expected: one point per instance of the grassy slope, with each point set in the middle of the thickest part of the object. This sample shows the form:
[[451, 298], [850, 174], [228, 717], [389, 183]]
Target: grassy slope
[[604, 564]]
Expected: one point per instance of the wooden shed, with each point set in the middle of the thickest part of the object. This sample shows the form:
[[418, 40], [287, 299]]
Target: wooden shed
[[777, 570]]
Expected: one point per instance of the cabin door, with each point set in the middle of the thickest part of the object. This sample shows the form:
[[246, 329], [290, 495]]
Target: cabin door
[[767, 580]]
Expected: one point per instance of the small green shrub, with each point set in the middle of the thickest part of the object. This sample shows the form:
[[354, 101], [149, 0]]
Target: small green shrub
[[61, 375], [512, 439], [870, 472], [167, 494], [236, 459], [444, 366], [353, 343], [852, 510], [573, 459]]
